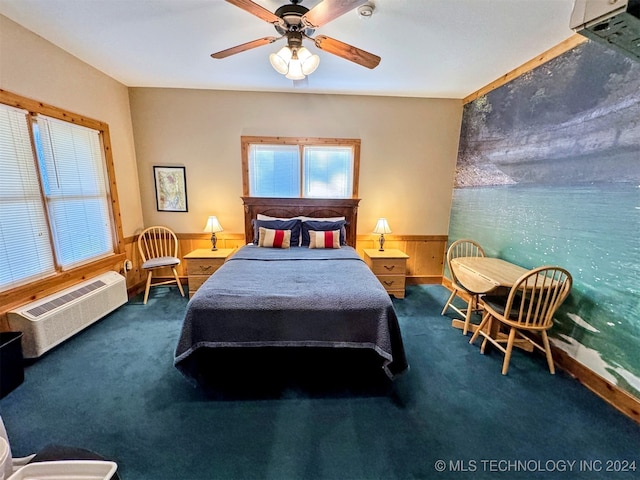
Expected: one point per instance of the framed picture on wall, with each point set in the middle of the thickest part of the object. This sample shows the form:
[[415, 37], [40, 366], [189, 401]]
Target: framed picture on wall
[[171, 189]]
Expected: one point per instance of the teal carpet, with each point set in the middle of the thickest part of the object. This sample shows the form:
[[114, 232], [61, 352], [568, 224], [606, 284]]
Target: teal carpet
[[113, 389]]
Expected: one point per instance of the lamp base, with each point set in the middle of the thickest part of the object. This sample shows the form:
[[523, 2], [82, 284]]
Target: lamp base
[[214, 240], [381, 240]]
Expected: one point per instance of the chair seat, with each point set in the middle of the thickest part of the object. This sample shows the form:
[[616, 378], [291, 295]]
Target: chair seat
[[495, 302], [498, 304], [161, 262]]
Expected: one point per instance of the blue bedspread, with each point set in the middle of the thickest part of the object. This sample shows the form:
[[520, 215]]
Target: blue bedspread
[[298, 297]]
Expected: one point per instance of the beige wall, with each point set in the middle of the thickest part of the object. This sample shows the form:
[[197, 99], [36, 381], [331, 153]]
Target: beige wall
[[409, 150], [32, 67], [409, 146]]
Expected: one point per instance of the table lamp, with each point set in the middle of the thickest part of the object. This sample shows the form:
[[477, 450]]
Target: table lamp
[[213, 226], [382, 227]]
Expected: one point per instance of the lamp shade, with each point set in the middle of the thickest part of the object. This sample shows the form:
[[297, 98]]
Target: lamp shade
[[213, 225], [382, 226], [295, 69], [280, 60], [308, 61]]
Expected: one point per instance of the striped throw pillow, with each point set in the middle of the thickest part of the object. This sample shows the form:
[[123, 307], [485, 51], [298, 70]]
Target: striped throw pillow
[[274, 238], [324, 239]]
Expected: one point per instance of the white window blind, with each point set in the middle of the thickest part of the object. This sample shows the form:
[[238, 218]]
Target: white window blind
[[75, 190], [328, 172], [25, 247], [274, 171]]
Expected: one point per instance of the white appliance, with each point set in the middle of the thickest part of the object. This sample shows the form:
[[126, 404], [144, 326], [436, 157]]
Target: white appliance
[[50, 320]]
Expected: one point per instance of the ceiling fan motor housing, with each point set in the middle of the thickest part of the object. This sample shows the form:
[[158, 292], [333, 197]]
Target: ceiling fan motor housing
[[292, 15]]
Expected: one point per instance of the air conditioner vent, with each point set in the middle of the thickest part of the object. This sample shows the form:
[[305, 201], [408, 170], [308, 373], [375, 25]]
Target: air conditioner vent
[[59, 301]]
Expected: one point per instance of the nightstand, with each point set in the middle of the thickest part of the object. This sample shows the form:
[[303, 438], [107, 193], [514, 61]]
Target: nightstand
[[390, 266], [201, 263]]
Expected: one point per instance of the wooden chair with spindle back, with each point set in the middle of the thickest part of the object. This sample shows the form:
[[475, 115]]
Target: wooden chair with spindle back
[[529, 308], [158, 248], [462, 248]]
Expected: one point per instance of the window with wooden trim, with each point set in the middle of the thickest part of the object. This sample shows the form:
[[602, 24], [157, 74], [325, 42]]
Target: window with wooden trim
[[55, 202], [286, 167]]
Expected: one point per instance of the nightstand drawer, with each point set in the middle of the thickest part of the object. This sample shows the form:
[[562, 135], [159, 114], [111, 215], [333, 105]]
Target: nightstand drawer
[[389, 266], [203, 266], [202, 263], [196, 281], [392, 282]]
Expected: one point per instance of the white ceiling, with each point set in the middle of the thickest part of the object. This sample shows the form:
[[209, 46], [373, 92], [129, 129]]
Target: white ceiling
[[429, 48]]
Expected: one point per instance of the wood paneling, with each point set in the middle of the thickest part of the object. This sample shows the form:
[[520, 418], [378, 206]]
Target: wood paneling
[[426, 254]]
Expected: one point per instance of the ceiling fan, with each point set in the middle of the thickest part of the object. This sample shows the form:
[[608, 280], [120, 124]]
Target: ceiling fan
[[296, 23]]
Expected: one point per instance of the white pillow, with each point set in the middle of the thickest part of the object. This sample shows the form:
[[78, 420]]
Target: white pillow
[[322, 219], [259, 216]]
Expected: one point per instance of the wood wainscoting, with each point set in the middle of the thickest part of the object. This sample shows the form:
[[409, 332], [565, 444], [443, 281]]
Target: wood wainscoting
[[425, 264]]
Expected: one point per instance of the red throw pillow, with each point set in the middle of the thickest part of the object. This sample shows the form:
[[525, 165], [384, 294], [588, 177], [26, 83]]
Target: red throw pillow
[[274, 238], [324, 239]]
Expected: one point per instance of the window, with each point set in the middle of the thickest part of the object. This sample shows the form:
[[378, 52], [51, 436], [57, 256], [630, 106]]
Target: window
[[25, 252], [55, 206], [294, 167]]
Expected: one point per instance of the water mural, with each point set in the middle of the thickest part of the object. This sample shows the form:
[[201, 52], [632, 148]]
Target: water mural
[[549, 173]]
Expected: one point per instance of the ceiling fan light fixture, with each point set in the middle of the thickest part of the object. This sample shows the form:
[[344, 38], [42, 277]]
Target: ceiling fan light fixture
[[308, 60], [295, 63], [280, 60], [295, 70]]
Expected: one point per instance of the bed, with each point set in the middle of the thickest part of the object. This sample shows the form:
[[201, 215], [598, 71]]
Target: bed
[[296, 297]]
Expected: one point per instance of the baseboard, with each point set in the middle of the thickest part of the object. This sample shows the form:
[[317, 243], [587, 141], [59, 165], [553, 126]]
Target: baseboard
[[610, 393], [139, 287], [619, 399], [424, 280]]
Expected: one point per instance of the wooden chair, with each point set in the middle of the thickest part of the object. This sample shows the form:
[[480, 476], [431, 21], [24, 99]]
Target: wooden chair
[[158, 248], [529, 307], [462, 248]]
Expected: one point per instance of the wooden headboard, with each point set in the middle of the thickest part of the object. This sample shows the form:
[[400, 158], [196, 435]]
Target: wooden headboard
[[309, 207]]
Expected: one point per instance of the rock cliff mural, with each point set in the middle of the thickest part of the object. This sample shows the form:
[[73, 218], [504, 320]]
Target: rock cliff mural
[[549, 173]]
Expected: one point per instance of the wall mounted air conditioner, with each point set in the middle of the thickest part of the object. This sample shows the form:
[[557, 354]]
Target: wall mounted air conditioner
[[50, 320], [612, 23]]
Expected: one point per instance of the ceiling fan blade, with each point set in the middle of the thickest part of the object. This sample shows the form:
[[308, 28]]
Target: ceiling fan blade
[[329, 10], [245, 46], [255, 9], [346, 51]]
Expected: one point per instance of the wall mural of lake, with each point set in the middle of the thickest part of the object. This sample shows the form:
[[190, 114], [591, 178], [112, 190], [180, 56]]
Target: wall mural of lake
[[548, 172]]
